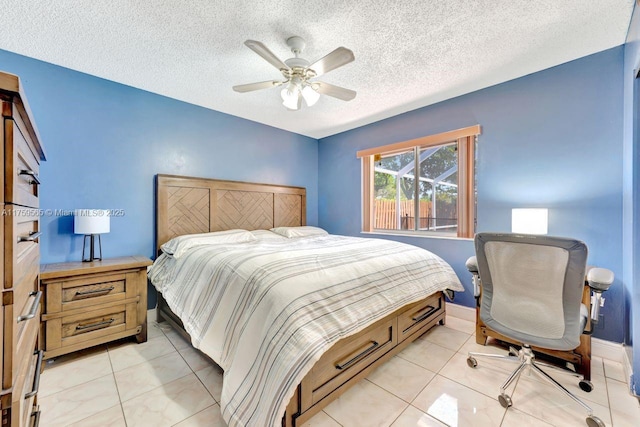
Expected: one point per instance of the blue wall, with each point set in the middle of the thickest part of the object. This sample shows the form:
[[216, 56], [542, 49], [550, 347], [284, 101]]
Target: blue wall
[[105, 142], [551, 139], [631, 189]]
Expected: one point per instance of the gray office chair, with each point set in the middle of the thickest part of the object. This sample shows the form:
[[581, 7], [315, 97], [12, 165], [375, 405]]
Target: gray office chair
[[532, 293]]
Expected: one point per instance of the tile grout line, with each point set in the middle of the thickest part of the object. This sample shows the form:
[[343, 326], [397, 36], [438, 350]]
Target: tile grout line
[[161, 385], [113, 372], [606, 384], [124, 416], [196, 375], [78, 385], [407, 404], [327, 414], [193, 415]]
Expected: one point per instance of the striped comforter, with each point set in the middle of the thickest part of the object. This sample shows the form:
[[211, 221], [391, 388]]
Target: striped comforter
[[266, 310]]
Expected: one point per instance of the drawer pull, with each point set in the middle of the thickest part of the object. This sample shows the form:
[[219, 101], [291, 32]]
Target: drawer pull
[[34, 307], [430, 309], [36, 418], [95, 325], [36, 380], [31, 237], [364, 353], [32, 174], [95, 291]]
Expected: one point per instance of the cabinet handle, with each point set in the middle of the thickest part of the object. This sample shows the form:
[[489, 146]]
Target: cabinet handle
[[94, 325], [95, 291], [430, 309], [34, 307], [30, 173], [36, 380], [31, 237], [36, 418], [364, 353]]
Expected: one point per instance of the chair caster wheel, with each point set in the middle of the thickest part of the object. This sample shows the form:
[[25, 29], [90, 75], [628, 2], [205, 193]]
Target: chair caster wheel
[[505, 400], [593, 421], [586, 386], [472, 362]]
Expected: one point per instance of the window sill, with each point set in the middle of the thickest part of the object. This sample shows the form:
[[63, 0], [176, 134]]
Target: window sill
[[419, 234]]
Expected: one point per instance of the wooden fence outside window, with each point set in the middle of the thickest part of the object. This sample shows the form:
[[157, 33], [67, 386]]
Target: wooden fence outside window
[[384, 214]]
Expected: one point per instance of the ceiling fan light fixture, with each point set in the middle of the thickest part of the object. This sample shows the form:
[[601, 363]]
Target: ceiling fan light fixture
[[297, 73], [310, 95], [291, 96]]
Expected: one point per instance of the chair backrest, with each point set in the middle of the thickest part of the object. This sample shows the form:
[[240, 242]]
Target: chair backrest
[[532, 287]]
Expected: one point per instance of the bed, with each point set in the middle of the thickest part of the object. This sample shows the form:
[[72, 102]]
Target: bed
[[286, 358]]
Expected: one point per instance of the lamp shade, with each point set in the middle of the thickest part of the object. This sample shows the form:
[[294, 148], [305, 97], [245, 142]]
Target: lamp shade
[[310, 95], [91, 221], [529, 220]]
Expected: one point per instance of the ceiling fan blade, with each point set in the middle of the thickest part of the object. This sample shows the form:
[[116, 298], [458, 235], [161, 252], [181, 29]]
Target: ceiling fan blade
[[335, 91], [257, 86], [333, 60], [264, 52]]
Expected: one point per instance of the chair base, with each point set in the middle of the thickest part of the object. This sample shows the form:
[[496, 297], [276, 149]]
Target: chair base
[[526, 361], [580, 357]]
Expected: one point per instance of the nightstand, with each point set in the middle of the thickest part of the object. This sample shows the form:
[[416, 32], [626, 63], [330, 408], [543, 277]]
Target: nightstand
[[90, 303]]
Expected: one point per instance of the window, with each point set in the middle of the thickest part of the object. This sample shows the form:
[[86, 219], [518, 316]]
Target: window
[[423, 185]]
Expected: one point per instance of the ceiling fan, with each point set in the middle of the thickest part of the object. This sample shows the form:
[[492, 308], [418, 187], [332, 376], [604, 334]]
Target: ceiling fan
[[298, 73]]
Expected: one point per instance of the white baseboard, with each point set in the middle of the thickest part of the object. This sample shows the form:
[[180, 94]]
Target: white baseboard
[[607, 350], [627, 365], [599, 348], [461, 312]]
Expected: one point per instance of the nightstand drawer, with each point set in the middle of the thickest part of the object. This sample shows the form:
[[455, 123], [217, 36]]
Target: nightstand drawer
[[77, 326], [90, 328], [87, 291]]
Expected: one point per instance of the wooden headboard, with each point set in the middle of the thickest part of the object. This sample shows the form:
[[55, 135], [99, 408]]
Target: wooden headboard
[[187, 205]]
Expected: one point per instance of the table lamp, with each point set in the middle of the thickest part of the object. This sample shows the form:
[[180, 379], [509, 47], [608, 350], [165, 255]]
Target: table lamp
[[91, 222], [529, 220]]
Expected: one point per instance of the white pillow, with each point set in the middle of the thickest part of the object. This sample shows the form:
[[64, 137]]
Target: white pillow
[[268, 236], [177, 246], [304, 231]]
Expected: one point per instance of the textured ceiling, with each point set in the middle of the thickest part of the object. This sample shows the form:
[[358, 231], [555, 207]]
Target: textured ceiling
[[409, 53]]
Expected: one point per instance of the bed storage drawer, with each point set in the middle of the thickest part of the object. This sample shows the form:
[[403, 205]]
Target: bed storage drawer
[[420, 316], [350, 356]]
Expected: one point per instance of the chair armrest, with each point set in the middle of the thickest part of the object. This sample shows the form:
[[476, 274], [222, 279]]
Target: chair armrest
[[600, 279], [472, 265]]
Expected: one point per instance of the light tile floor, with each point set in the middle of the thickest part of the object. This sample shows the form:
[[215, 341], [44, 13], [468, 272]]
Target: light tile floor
[[165, 382]]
